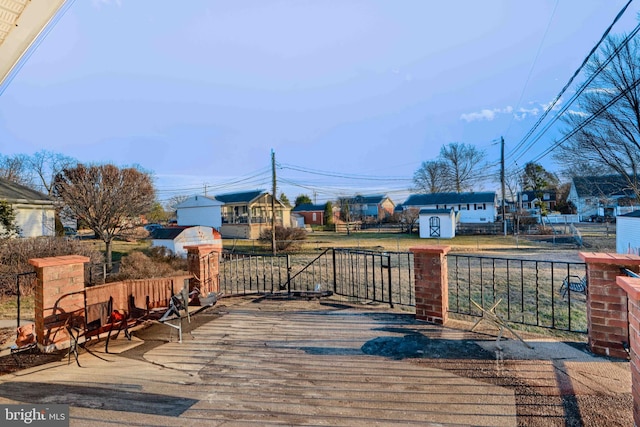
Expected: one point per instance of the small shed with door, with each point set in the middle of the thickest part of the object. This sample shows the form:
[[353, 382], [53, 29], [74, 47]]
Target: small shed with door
[[437, 223], [628, 233]]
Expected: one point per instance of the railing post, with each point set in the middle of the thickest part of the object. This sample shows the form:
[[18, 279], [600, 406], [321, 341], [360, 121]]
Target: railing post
[[431, 283], [632, 288], [335, 274], [389, 281], [288, 274], [607, 317]]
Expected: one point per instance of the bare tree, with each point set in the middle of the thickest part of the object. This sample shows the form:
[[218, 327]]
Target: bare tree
[[610, 143], [15, 169], [109, 199], [409, 218], [45, 165], [463, 164], [431, 177]]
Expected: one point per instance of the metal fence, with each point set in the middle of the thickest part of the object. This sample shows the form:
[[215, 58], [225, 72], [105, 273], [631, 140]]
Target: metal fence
[[529, 292], [16, 286], [359, 275]]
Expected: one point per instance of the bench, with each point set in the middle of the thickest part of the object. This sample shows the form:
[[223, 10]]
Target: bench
[[574, 283]]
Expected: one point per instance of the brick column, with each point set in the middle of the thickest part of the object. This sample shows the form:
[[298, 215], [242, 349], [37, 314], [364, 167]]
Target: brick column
[[203, 262], [432, 285], [607, 319], [632, 288], [57, 277]]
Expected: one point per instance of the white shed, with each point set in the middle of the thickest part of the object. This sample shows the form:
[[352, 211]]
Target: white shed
[[176, 238], [437, 223], [200, 210], [628, 233]]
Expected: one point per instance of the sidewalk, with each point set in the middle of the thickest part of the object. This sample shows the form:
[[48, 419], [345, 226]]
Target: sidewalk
[[259, 362]]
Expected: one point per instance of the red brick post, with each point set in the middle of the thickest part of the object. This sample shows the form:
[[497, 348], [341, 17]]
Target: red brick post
[[203, 261], [632, 288], [432, 285], [57, 277], [607, 319]]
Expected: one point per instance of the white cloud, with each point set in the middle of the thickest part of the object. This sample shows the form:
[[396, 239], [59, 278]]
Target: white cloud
[[555, 107], [578, 113], [485, 114]]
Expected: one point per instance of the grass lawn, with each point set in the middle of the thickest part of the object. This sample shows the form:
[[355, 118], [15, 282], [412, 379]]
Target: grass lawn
[[399, 242]]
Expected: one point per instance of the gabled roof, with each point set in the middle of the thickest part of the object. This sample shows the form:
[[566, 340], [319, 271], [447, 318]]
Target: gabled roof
[[12, 192], [425, 211], [450, 198], [603, 186], [167, 233], [198, 201], [308, 207], [373, 199], [531, 195], [634, 214], [242, 197]]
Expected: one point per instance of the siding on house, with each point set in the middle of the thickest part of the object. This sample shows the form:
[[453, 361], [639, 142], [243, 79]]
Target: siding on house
[[601, 195], [476, 207], [628, 233], [176, 238], [35, 212], [200, 210], [312, 214]]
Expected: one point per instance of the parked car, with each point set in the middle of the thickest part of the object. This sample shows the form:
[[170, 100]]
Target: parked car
[[152, 227], [70, 232]]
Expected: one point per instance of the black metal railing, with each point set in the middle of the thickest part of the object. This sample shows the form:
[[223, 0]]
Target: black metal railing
[[359, 275], [18, 285], [529, 292], [242, 274]]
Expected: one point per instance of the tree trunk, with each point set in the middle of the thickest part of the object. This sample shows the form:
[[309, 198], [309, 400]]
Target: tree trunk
[[107, 256]]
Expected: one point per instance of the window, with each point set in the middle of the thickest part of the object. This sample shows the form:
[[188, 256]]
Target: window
[[313, 216], [525, 197]]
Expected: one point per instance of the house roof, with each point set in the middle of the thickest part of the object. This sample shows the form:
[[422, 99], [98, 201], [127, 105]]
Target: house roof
[[373, 199], [242, 197], [425, 211], [634, 214], [450, 198], [12, 192], [308, 207], [531, 195], [198, 201], [167, 233], [604, 185]]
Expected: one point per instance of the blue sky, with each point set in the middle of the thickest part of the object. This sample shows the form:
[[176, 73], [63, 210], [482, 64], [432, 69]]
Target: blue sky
[[357, 93]]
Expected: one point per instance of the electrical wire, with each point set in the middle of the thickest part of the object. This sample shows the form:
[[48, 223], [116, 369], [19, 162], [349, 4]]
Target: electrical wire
[[568, 84]]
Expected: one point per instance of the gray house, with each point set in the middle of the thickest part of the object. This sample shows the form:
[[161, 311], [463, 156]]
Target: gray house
[[35, 211], [605, 195]]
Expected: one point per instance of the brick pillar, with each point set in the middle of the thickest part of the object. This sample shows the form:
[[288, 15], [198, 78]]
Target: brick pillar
[[57, 277], [607, 319], [632, 288], [203, 261], [432, 285]]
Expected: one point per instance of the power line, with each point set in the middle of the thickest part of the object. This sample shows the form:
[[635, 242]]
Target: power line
[[566, 86]]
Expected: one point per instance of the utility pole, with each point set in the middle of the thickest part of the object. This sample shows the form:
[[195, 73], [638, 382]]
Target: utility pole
[[504, 213], [273, 202]]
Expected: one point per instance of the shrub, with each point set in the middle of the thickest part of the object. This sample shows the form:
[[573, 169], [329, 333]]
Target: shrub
[[286, 238], [153, 262], [16, 253]]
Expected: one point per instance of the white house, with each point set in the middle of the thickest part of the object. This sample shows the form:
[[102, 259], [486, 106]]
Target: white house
[[471, 208], [200, 210], [176, 238], [628, 233], [35, 212], [606, 195], [437, 223]]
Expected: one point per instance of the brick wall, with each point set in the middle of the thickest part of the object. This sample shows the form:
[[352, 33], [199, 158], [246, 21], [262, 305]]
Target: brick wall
[[204, 263], [632, 288], [59, 291], [431, 283], [607, 317]]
